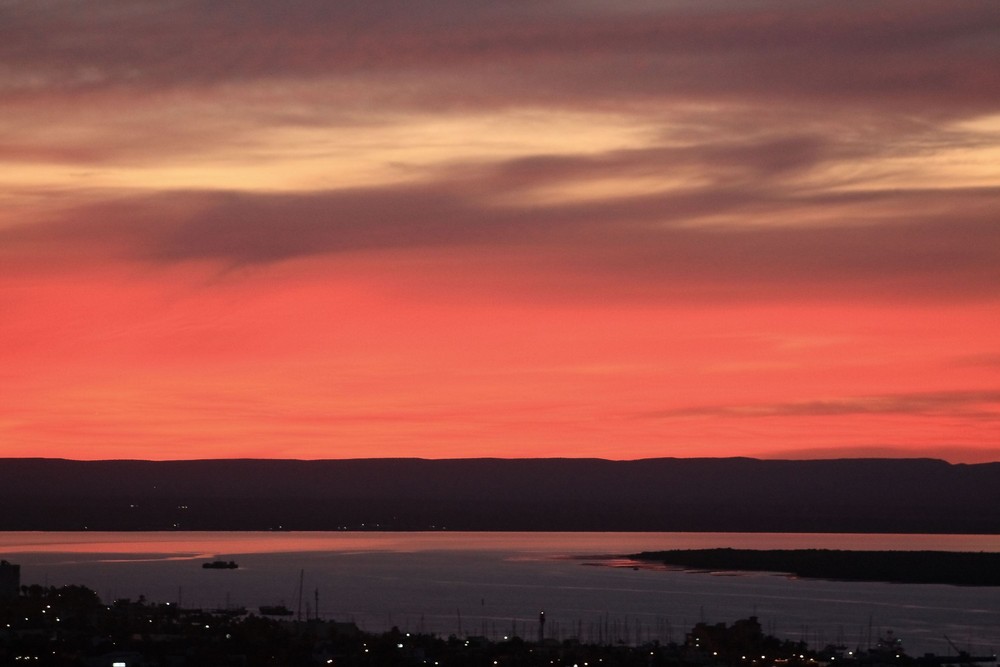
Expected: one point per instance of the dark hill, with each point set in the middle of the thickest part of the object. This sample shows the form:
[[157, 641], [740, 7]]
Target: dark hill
[[845, 495]]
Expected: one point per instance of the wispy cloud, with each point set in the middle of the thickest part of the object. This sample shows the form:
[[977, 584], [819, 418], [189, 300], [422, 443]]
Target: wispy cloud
[[974, 404], [884, 51], [647, 240]]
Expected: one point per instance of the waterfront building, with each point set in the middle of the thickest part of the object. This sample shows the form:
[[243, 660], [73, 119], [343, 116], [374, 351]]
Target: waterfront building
[[10, 580]]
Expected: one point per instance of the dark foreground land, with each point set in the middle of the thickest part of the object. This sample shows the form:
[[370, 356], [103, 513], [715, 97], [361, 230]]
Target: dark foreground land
[[70, 626], [911, 567], [723, 495]]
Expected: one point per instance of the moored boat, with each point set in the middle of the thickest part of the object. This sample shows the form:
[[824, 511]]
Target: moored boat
[[275, 610], [220, 565]]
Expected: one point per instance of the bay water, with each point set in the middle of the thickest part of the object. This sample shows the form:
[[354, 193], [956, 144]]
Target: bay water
[[496, 584]]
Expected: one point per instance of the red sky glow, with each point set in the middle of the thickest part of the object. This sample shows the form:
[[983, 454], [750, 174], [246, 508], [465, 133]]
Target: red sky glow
[[462, 228]]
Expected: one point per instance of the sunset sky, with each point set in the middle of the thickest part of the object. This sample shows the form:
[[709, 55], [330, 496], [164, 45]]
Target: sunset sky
[[463, 228]]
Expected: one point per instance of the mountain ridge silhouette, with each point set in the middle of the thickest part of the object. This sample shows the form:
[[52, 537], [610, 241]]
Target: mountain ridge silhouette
[[662, 494]]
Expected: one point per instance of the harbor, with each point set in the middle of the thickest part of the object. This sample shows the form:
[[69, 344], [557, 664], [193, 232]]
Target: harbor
[[71, 625]]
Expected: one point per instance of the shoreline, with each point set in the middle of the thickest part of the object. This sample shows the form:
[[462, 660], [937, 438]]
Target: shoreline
[[957, 568]]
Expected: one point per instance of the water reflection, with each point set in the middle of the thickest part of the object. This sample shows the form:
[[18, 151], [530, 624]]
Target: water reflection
[[570, 543]]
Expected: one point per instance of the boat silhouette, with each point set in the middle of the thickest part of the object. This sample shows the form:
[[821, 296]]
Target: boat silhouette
[[220, 565], [275, 610]]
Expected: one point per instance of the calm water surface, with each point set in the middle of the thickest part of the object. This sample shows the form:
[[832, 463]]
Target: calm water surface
[[496, 583]]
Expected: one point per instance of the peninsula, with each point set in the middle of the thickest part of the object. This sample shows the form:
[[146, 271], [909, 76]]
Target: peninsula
[[910, 567]]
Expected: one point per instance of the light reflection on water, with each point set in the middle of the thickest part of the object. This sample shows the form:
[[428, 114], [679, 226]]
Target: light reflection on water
[[496, 583]]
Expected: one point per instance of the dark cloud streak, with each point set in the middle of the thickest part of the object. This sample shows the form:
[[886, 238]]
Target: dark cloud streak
[[885, 51], [641, 243]]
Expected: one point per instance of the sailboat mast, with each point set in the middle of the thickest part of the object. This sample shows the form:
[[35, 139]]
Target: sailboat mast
[[302, 575]]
